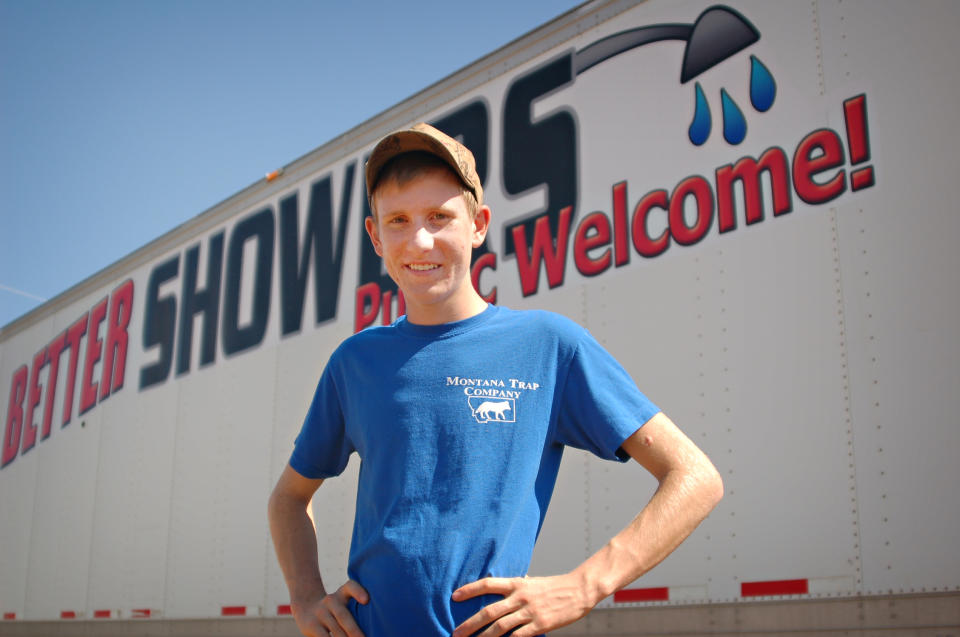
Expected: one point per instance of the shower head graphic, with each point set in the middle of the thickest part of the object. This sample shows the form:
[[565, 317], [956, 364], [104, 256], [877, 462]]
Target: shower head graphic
[[718, 33]]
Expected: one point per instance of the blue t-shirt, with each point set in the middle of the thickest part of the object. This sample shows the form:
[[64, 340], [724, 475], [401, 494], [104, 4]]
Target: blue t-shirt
[[460, 429]]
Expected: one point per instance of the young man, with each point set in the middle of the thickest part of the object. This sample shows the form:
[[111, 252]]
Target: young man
[[459, 412]]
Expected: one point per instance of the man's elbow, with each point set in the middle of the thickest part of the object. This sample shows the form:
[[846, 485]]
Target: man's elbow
[[273, 503], [711, 485], [717, 484], [280, 501]]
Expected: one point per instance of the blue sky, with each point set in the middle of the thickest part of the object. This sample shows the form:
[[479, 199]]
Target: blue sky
[[121, 119]]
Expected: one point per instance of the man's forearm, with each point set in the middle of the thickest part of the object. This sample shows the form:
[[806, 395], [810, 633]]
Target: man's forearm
[[295, 541], [684, 498]]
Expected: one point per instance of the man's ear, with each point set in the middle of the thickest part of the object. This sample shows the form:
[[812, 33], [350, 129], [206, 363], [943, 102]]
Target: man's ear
[[481, 224], [371, 225]]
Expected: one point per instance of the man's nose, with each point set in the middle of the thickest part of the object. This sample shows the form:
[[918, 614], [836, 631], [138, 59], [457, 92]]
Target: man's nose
[[423, 239]]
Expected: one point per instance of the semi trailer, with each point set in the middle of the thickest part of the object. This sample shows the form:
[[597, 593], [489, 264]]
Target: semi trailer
[[750, 204]]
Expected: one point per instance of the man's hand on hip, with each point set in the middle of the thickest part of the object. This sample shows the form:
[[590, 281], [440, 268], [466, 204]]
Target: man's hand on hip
[[329, 615], [530, 605]]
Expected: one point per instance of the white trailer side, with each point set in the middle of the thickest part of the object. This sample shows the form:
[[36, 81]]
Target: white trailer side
[[787, 291]]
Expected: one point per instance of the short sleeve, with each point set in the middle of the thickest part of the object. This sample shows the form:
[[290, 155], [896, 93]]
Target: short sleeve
[[600, 406], [323, 448]]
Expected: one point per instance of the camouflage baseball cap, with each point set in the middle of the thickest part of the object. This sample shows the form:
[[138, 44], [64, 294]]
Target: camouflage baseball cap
[[425, 138]]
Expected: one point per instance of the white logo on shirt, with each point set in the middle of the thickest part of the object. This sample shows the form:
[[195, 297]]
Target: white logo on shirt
[[492, 399], [485, 410]]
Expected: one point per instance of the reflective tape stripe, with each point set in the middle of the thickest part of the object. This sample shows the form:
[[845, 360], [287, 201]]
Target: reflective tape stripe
[[239, 611], [661, 594], [774, 587]]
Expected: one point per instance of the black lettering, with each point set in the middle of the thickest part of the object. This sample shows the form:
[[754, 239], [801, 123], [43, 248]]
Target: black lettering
[[257, 227], [542, 152], [205, 302], [159, 317], [319, 241]]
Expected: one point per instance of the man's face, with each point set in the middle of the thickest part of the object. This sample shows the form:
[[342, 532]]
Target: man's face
[[426, 236]]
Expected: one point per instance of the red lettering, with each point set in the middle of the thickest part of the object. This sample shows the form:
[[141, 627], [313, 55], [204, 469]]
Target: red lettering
[[488, 260], [699, 189], [621, 246], [55, 348], [747, 170], [855, 117], [553, 255], [74, 334], [858, 139], [642, 242], [88, 388], [368, 295], [11, 436], [593, 232], [387, 304], [33, 399], [115, 350], [818, 152], [386, 316]]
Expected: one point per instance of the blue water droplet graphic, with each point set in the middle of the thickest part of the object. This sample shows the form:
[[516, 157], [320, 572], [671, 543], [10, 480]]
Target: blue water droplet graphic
[[763, 88], [734, 125], [700, 126]]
